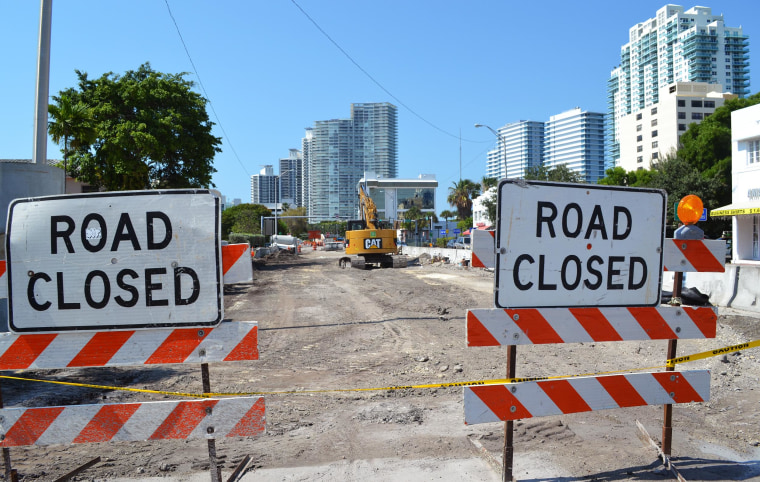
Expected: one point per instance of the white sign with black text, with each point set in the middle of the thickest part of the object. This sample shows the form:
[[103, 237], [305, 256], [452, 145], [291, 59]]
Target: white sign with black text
[[116, 260], [569, 245]]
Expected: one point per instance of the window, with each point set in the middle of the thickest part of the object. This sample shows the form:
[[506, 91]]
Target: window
[[638, 138], [753, 151], [638, 116], [682, 115], [696, 103], [639, 148], [654, 145], [710, 104], [681, 103], [654, 110], [654, 133], [638, 128], [681, 127], [696, 115], [654, 122], [640, 159], [655, 155]]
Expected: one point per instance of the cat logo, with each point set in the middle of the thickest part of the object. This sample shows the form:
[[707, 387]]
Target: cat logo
[[373, 243]]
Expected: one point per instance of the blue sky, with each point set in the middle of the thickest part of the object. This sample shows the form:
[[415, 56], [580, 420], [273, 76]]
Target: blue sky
[[269, 72]]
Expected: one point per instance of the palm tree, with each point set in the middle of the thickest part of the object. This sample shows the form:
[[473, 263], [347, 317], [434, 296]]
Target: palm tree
[[487, 183], [461, 195], [71, 124]]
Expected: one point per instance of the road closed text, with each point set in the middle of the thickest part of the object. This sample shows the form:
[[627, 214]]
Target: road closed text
[[155, 286], [589, 271], [118, 261], [578, 246]]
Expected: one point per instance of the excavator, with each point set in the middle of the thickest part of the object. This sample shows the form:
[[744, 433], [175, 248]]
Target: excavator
[[369, 244]]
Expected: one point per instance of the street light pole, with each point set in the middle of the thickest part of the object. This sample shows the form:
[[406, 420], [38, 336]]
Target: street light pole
[[278, 198], [503, 143]]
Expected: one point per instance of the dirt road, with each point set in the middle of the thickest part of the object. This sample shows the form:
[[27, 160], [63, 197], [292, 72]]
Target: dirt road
[[324, 328]]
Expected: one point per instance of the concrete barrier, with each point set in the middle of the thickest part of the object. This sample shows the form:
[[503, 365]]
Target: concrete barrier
[[454, 255], [736, 288]]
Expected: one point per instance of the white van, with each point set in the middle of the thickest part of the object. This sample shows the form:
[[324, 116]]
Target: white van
[[462, 242]]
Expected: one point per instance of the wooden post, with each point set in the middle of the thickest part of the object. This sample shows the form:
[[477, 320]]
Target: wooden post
[[508, 453]]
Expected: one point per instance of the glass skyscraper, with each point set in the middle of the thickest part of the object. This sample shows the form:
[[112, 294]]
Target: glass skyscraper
[[338, 152]]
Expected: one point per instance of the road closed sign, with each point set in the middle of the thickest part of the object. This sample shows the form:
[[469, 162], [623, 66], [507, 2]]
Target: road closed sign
[[117, 260], [571, 245]]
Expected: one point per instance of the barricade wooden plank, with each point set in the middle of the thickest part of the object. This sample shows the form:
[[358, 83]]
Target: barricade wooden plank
[[229, 341], [533, 326], [483, 243], [494, 403], [688, 255], [236, 263], [703, 255], [140, 421]]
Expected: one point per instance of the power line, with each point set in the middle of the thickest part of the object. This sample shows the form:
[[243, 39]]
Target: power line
[[203, 88], [375, 81]]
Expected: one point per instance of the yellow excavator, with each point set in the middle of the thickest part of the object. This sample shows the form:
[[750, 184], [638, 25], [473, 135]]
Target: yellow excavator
[[367, 243]]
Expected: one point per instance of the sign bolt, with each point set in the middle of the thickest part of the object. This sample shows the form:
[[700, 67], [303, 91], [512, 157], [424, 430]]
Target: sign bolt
[[210, 430], [201, 352], [515, 317], [672, 379], [513, 409], [672, 394], [514, 389], [30, 273], [678, 329], [516, 336], [201, 332]]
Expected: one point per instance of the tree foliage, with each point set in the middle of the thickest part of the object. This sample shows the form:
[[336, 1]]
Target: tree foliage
[[151, 131], [560, 173], [243, 218], [461, 195], [299, 226], [70, 124], [617, 176], [490, 202]]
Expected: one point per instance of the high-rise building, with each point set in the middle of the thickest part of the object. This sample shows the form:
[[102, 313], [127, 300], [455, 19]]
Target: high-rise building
[[264, 186], [575, 138], [519, 147], [675, 46], [649, 134], [291, 178], [337, 153]]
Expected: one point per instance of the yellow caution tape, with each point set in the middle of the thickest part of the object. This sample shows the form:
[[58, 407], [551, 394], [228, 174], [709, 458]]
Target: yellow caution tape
[[707, 354], [498, 381]]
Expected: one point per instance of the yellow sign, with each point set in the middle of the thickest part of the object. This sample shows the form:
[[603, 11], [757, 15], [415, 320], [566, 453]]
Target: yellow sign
[[734, 212]]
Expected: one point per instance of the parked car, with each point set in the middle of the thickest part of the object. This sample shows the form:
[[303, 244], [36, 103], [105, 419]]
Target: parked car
[[462, 242], [450, 243]]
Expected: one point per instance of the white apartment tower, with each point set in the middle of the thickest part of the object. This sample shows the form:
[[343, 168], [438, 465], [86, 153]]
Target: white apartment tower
[[575, 138], [519, 147], [675, 46], [264, 186]]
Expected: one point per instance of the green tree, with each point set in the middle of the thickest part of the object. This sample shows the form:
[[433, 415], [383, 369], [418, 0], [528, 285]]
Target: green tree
[[413, 214], [491, 203], [243, 218], [617, 176], [446, 215], [296, 226], [70, 124], [560, 173], [151, 131], [461, 195]]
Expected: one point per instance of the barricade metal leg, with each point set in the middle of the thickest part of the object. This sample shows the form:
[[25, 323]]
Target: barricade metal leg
[[509, 452], [667, 419], [216, 471]]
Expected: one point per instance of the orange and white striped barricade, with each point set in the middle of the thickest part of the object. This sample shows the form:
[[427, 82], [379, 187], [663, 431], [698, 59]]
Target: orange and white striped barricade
[[229, 341], [689, 255], [534, 326], [494, 403], [236, 263], [146, 421], [483, 243]]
